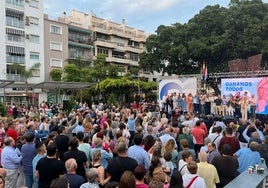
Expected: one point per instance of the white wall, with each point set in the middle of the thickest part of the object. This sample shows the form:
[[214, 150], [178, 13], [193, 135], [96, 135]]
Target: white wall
[[2, 40]]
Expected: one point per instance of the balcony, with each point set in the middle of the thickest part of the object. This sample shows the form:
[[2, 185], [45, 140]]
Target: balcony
[[16, 59], [80, 45], [104, 43], [82, 57], [13, 22], [15, 3], [121, 60], [134, 49], [15, 77]]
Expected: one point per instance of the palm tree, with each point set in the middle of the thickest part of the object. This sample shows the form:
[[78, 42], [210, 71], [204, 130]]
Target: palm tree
[[26, 73]]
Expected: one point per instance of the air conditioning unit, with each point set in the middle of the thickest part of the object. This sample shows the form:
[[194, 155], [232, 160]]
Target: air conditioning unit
[[27, 20], [27, 36]]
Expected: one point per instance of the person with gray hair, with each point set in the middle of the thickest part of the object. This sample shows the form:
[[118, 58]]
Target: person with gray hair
[[248, 157], [75, 180], [207, 171], [118, 165], [185, 135], [93, 178], [10, 159]]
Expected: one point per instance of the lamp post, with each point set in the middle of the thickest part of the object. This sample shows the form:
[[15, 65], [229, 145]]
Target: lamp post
[[98, 87]]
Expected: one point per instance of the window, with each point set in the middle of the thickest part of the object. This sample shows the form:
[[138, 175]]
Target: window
[[55, 29], [134, 57], [18, 3], [55, 62], [34, 56], [15, 38], [14, 21], [102, 51], [77, 52], [33, 21], [34, 39], [55, 46]]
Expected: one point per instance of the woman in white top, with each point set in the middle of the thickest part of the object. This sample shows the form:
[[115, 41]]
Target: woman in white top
[[182, 165]]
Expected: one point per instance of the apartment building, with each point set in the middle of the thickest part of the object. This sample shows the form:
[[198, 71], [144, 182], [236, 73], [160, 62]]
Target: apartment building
[[80, 45], [121, 44], [56, 46], [22, 42]]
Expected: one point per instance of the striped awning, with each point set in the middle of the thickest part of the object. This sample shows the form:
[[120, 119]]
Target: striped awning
[[15, 31], [15, 50], [11, 11]]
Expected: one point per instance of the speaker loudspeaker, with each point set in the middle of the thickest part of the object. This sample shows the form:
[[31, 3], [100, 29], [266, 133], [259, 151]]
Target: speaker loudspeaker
[[66, 104]]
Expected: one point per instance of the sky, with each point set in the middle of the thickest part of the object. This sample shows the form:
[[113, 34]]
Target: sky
[[145, 15]]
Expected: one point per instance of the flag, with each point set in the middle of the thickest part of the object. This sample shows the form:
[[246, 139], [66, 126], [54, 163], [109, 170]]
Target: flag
[[204, 71]]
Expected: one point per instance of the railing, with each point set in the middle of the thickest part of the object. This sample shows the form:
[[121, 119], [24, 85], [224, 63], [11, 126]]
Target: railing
[[16, 59], [16, 3], [13, 22], [15, 77]]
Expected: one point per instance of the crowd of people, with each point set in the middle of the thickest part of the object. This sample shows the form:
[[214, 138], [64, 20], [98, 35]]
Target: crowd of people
[[127, 147], [238, 105]]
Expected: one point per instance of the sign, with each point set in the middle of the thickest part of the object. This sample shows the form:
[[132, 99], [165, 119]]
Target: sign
[[180, 85], [253, 86]]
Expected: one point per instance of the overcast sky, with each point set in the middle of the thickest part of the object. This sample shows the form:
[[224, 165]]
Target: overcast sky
[[145, 15]]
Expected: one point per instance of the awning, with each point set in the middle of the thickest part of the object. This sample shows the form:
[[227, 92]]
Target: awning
[[15, 50], [80, 30], [15, 31], [11, 11], [63, 85], [5, 83]]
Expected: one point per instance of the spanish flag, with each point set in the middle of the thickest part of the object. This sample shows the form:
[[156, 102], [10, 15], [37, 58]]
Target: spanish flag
[[204, 71]]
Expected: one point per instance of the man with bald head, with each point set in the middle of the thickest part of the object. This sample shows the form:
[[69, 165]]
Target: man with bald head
[[75, 180], [207, 171], [166, 137]]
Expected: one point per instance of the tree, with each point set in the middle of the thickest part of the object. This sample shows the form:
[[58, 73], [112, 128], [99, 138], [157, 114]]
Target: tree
[[26, 73], [56, 74], [99, 71], [72, 73]]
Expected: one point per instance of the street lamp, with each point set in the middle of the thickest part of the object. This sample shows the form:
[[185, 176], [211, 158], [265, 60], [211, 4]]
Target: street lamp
[[98, 87]]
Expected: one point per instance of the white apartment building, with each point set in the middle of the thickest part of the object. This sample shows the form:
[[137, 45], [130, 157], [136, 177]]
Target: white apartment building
[[21, 42]]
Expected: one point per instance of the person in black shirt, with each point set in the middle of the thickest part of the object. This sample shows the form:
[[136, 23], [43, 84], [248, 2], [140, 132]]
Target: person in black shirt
[[49, 168], [118, 165], [62, 142], [78, 155]]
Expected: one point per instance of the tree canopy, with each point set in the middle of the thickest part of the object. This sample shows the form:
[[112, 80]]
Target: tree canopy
[[215, 35]]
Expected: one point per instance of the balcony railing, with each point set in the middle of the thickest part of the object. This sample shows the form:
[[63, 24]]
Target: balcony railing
[[14, 23], [16, 3], [16, 59], [15, 77]]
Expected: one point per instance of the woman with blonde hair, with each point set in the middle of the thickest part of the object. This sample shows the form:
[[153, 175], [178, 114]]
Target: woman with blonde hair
[[170, 148], [100, 169], [87, 124]]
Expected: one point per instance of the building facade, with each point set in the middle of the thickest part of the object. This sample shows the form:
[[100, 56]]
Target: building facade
[[56, 46], [120, 43], [22, 42]]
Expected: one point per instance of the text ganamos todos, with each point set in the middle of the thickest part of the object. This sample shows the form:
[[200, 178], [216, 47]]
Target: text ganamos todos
[[236, 86]]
